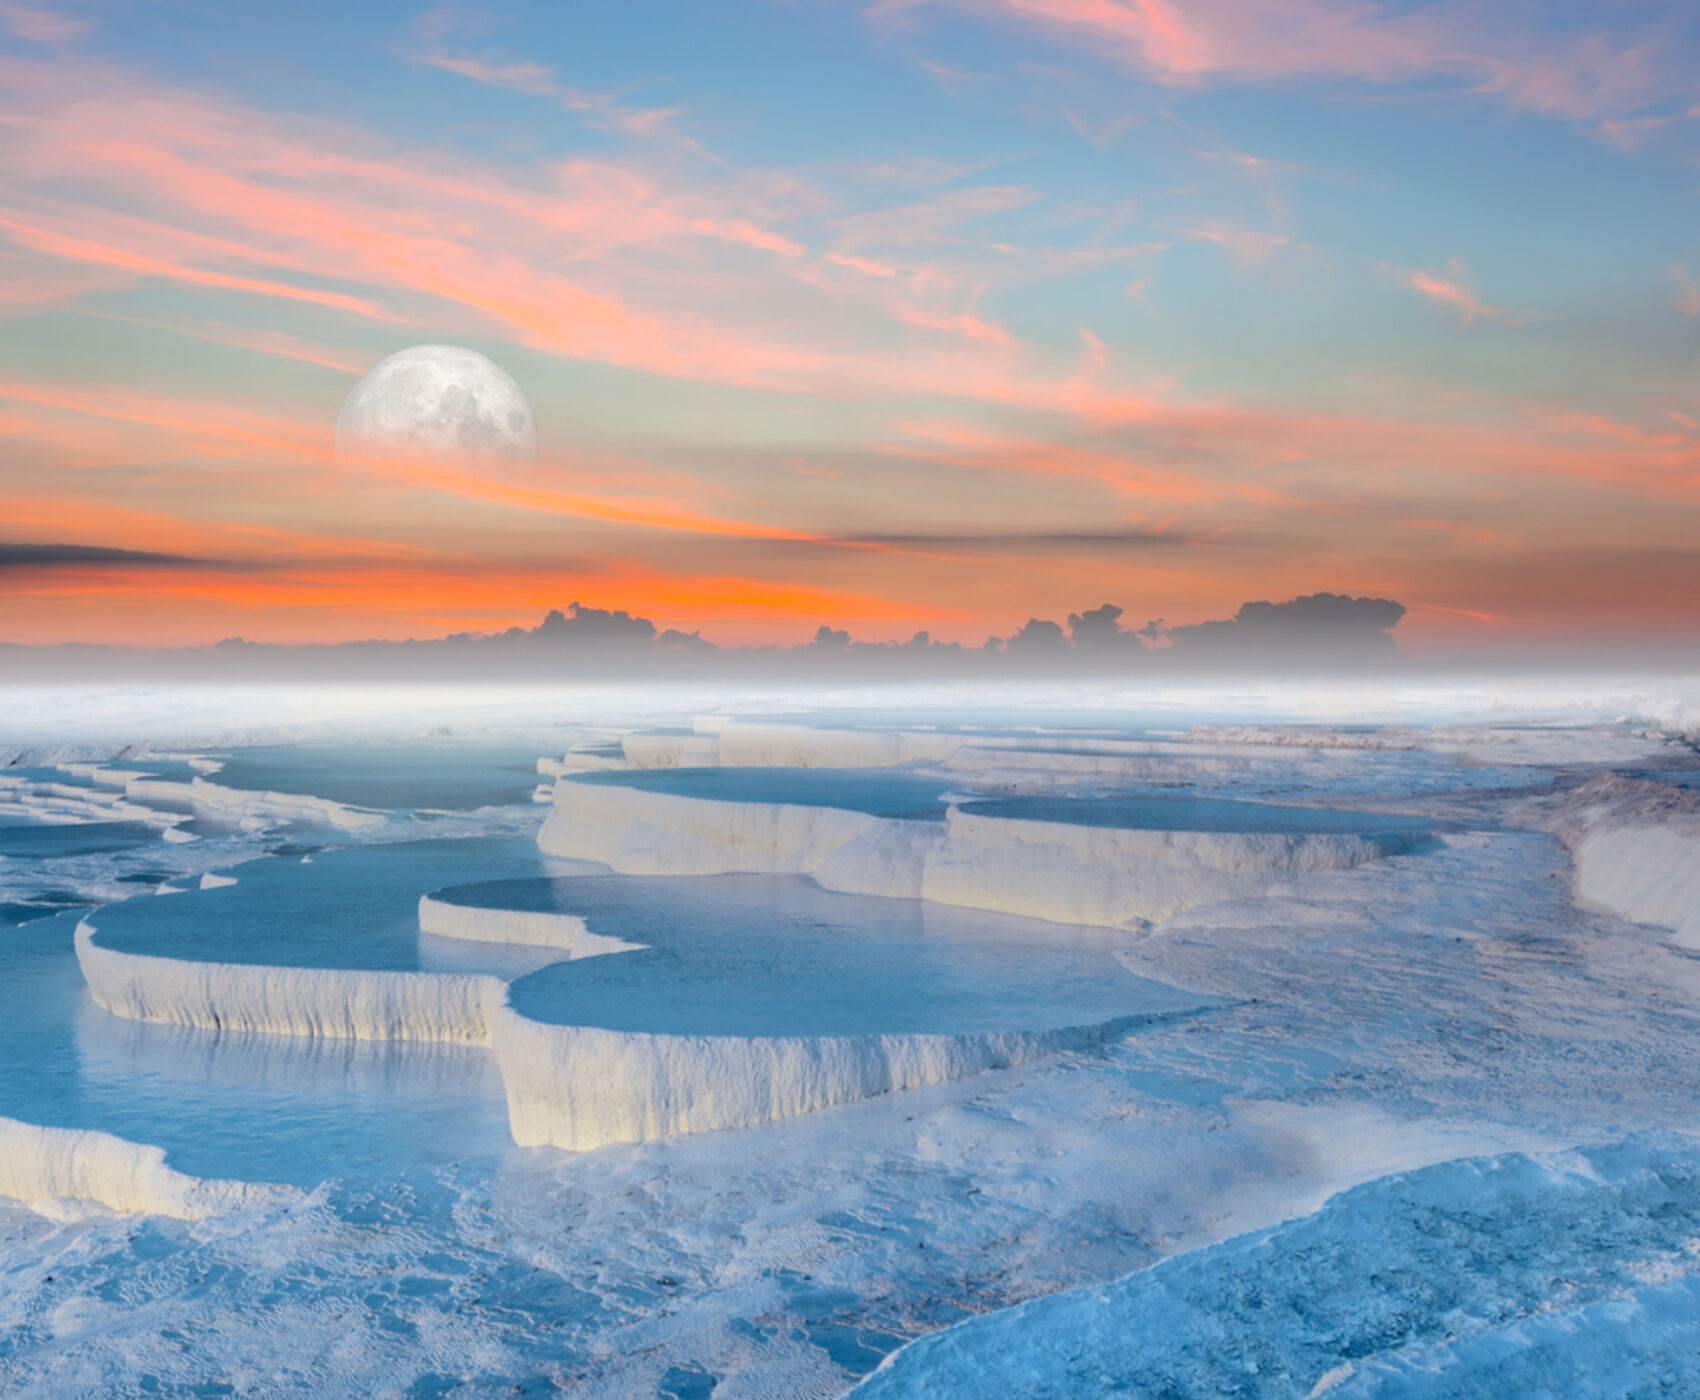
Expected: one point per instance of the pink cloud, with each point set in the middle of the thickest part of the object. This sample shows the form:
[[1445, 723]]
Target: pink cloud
[[1247, 245], [39, 26], [263, 342], [1451, 290], [1577, 76], [613, 261], [535, 80], [597, 259], [75, 249]]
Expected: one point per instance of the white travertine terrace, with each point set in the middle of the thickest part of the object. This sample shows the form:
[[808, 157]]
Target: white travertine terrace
[[581, 1087], [567, 1086], [355, 1005], [670, 750], [1636, 847], [578, 763], [39, 1165], [1648, 874], [1028, 761], [1025, 767], [647, 833], [751, 744], [1119, 878], [565, 932], [215, 799], [1049, 870]]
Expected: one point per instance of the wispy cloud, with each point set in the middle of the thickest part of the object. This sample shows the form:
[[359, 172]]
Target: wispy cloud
[[1246, 244], [35, 26], [1687, 292], [185, 426], [1451, 289], [16, 555], [535, 80], [594, 259], [1491, 51]]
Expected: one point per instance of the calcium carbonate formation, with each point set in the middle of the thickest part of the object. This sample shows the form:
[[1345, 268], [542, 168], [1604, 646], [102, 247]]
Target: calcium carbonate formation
[[1636, 848], [1052, 870], [40, 1166]]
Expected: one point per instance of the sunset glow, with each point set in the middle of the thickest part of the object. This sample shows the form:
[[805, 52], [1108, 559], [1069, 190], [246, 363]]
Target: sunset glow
[[886, 316]]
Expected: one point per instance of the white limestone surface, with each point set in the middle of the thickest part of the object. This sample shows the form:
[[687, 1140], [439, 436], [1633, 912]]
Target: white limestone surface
[[1112, 877], [578, 763], [234, 804], [671, 750], [649, 833], [752, 744], [1047, 870], [579, 1087], [1636, 848], [43, 1166], [1027, 768], [353, 1004], [536, 929], [1648, 874], [574, 1087]]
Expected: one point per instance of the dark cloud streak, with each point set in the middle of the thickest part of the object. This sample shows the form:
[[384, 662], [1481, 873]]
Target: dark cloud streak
[[74, 556]]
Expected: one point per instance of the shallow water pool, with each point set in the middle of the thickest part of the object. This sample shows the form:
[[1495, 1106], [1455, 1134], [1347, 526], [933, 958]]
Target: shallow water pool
[[253, 1107], [776, 955]]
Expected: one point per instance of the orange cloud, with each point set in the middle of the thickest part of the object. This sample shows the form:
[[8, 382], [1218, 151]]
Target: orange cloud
[[200, 425], [82, 250], [345, 599], [590, 259]]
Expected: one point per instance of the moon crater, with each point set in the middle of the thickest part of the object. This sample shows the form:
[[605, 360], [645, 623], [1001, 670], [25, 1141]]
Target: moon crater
[[438, 402]]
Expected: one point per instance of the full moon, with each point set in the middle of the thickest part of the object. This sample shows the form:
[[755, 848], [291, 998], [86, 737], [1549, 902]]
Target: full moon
[[440, 402]]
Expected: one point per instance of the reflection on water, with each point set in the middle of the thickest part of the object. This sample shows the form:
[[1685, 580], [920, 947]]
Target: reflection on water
[[778, 955], [256, 1107], [391, 776]]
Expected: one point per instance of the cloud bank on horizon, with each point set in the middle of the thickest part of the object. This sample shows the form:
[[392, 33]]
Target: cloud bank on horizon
[[894, 316]]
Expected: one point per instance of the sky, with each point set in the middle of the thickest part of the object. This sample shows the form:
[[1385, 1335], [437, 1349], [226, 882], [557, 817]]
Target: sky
[[888, 315]]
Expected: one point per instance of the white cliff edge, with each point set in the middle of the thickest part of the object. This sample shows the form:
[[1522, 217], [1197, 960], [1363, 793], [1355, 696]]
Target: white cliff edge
[[1047, 870], [579, 1087], [355, 1005]]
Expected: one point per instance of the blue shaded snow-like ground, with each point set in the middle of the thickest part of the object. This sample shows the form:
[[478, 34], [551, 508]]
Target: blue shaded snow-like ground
[[1572, 1274], [1390, 1031]]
